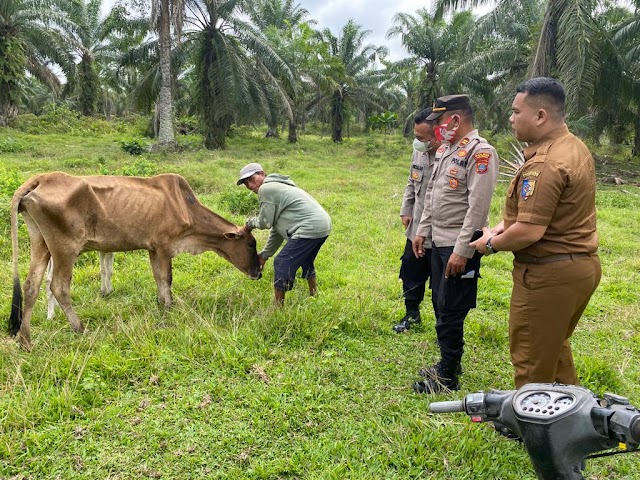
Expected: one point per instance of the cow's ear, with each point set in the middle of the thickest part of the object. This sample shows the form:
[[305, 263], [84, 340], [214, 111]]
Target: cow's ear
[[233, 235]]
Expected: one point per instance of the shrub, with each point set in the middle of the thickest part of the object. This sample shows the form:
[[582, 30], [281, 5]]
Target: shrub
[[13, 145], [9, 181], [134, 147], [240, 202], [141, 168]]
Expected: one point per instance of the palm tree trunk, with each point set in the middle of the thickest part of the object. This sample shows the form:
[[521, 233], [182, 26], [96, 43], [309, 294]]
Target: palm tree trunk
[[636, 141], [545, 57], [337, 116], [293, 132], [8, 111], [166, 136], [215, 136]]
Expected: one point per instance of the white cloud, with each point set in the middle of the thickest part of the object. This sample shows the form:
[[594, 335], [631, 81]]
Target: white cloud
[[374, 15]]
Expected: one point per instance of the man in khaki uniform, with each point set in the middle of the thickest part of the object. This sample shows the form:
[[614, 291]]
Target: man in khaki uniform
[[456, 206], [550, 225], [415, 271]]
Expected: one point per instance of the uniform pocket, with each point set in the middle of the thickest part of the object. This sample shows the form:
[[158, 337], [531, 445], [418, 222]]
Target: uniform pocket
[[456, 177]]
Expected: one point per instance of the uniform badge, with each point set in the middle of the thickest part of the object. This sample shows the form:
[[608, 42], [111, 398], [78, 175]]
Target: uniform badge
[[441, 149], [464, 141], [462, 153], [527, 188], [482, 162], [453, 172], [453, 183], [530, 174], [415, 175]]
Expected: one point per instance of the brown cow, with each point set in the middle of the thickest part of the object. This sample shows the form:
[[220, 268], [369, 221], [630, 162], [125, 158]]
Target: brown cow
[[67, 215]]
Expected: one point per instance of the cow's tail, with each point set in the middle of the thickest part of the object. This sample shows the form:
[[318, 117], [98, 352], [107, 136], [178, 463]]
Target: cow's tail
[[15, 320]]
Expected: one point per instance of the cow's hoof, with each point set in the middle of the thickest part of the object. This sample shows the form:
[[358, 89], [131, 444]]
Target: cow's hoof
[[25, 344], [78, 328]]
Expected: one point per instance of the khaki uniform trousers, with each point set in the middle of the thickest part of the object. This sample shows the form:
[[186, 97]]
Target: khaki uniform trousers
[[546, 303]]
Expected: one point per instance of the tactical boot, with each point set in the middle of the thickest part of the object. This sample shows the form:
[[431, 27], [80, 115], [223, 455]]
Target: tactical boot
[[432, 370], [409, 320], [437, 380]]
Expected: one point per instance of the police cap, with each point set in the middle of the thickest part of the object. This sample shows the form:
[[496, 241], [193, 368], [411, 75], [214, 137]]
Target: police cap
[[449, 103]]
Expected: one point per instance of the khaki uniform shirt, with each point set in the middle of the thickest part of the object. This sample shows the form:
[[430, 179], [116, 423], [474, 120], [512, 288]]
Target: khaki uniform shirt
[[556, 187], [459, 193], [414, 192]]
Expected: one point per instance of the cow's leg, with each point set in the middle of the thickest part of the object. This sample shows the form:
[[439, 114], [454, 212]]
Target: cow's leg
[[61, 286], [106, 270], [51, 300], [161, 266], [39, 258]]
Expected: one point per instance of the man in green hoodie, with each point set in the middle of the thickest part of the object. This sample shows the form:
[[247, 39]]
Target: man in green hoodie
[[288, 212]]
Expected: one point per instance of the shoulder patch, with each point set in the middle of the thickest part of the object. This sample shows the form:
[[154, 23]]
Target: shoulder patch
[[482, 162], [464, 141], [482, 156], [528, 187]]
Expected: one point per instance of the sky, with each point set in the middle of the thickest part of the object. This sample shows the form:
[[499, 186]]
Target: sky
[[374, 15]]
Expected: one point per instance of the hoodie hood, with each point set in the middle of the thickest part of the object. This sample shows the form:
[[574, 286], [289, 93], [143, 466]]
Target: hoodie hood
[[277, 178]]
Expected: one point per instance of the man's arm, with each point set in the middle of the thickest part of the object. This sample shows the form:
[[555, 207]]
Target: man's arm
[[481, 181], [518, 236], [273, 243]]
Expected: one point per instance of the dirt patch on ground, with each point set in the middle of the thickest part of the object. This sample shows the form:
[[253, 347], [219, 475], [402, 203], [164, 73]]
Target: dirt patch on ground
[[617, 172]]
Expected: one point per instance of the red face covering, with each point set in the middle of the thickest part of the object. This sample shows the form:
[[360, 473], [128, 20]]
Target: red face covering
[[444, 135]]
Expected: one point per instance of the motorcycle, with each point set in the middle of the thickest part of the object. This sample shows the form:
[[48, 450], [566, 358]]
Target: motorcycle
[[560, 425]]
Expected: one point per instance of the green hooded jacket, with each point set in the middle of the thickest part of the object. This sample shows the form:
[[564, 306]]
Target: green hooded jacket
[[289, 212]]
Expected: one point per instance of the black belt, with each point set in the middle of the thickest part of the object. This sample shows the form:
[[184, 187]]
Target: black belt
[[526, 258]]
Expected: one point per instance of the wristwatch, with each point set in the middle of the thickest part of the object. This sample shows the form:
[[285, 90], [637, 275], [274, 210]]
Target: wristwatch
[[490, 249]]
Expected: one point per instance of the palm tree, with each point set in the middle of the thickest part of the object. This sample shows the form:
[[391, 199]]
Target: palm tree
[[164, 14], [30, 32], [230, 82], [281, 21], [434, 45], [496, 59], [355, 80], [96, 42], [618, 92], [568, 45]]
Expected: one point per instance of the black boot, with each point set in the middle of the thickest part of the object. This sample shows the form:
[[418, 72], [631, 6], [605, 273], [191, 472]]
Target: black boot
[[432, 370], [438, 379], [409, 320]]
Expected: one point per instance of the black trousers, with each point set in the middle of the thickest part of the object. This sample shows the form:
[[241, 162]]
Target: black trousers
[[298, 252], [414, 273], [452, 299]]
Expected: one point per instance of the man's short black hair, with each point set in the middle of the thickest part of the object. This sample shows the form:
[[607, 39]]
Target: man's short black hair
[[422, 115], [549, 90]]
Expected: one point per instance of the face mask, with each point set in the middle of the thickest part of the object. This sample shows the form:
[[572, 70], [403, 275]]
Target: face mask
[[444, 135], [421, 147]]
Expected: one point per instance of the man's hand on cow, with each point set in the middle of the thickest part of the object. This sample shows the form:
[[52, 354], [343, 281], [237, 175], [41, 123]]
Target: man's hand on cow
[[406, 220], [455, 265], [262, 261], [418, 246]]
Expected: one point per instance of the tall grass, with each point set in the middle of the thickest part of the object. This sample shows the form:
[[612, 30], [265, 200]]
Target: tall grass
[[225, 386]]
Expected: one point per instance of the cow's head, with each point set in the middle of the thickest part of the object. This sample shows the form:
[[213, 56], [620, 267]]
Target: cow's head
[[241, 251]]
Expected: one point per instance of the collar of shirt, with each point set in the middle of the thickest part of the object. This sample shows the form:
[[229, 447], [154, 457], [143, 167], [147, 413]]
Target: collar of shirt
[[532, 149]]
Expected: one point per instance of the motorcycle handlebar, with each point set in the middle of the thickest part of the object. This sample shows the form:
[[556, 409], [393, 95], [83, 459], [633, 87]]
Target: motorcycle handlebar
[[447, 407]]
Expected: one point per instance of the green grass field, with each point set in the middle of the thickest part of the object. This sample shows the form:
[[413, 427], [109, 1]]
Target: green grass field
[[225, 386]]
